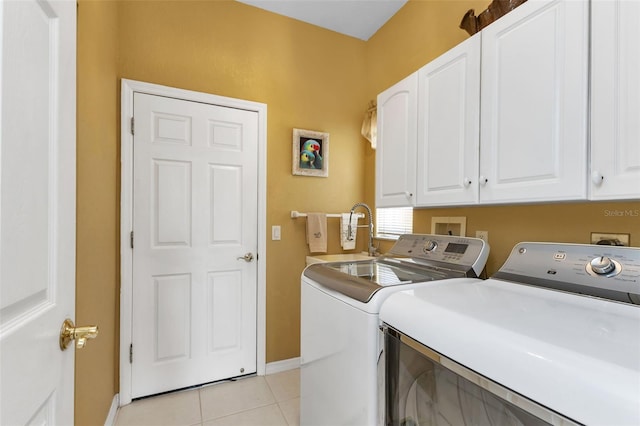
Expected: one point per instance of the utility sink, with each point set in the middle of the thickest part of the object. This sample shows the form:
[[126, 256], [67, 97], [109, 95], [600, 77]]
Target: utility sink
[[344, 257]]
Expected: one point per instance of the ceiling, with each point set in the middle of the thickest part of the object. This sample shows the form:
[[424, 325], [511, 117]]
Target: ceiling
[[355, 18]]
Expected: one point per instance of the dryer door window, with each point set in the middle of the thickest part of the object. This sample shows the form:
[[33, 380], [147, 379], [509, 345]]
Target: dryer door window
[[424, 388]]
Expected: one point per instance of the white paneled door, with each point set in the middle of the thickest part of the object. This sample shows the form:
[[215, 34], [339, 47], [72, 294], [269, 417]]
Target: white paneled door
[[448, 127], [615, 99], [194, 243], [533, 104], [397, 144], [38, 166]]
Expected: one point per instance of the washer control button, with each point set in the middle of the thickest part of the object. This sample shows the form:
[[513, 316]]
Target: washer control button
[[560, 256]]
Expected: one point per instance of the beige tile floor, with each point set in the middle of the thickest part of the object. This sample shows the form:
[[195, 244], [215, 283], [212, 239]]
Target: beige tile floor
[[256, 401]]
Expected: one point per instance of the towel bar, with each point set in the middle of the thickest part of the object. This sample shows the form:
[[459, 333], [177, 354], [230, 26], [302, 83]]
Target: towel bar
[[296, 214]]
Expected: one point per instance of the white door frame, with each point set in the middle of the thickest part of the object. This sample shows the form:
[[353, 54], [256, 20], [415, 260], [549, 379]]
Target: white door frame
[[126, 215]]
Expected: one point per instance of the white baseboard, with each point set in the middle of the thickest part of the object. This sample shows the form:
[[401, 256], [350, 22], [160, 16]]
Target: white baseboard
[[113, 411], [284, 365]]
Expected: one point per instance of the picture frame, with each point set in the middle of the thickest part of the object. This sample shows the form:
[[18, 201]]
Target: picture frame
[[310, 153]]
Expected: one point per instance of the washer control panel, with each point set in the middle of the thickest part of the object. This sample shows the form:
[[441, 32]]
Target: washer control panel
[[609, 268], [470, 253]]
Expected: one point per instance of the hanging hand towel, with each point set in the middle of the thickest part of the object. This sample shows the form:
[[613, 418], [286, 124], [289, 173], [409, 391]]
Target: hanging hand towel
[[317, 232], [348, 242]]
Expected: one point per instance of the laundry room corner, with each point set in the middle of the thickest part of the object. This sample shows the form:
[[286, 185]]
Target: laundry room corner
[[97, 265]]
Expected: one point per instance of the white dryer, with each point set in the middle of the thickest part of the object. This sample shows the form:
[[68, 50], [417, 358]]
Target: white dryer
[[341, 341], [551, 338]]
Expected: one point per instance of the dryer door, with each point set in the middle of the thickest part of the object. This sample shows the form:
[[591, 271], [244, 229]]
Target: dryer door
[[424, 388]]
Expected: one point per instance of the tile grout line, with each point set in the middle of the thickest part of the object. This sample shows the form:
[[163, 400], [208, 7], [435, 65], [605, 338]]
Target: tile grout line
[[277, 402], [282, 413], [274, 394], [200, 401], [262, 405]]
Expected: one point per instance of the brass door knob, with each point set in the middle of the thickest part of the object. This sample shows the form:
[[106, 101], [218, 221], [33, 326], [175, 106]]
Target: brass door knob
[[70, 332]]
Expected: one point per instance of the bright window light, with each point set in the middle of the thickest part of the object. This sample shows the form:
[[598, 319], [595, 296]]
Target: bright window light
[[393, 222]]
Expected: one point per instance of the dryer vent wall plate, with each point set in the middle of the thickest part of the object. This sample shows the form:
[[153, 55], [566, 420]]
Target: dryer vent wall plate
[[456, 226], [610, 239]]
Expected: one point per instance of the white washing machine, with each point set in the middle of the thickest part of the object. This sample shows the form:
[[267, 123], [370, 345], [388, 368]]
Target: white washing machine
[[551, 338], [341, 341]]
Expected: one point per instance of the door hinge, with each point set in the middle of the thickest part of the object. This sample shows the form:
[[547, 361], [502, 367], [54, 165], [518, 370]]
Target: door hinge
[[131, 239], [133, 126], [131, 353]]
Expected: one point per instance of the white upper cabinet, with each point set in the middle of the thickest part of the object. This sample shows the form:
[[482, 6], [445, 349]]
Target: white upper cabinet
[[534, 104], [396, 147], [504, 117], [615, 100], [448, 127]]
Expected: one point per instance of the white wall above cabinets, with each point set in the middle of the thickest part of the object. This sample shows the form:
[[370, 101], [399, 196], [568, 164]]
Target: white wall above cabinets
[[396, 152], [615, 100], [448, 127], [534, 104]]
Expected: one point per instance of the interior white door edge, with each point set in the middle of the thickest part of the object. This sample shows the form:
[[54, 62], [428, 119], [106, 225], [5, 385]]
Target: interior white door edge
[[129, 87], [37, 210]]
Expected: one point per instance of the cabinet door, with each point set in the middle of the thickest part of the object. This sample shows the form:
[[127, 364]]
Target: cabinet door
[[396, 147], [534, 104], [449, 126], [615, 100]]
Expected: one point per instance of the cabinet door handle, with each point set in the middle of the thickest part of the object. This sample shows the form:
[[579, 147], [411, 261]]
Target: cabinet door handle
[[483, 180], [467, 181], [596, 178], [408, 194]]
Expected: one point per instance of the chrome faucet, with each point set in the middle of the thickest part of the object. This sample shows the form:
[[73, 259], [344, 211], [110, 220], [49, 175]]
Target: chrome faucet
[[371, 249]]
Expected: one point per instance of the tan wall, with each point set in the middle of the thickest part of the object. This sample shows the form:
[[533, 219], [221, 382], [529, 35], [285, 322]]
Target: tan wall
[[418, 33], [310, 78], [97, 209]]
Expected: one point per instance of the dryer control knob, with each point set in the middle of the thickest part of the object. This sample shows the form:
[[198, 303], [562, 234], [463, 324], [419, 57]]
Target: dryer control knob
[[602, 265]]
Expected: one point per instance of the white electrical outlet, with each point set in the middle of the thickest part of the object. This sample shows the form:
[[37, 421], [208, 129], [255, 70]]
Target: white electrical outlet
[[275, 232], [483, 235]]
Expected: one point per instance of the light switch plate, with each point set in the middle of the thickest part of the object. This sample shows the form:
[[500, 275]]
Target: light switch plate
[[275, 233]]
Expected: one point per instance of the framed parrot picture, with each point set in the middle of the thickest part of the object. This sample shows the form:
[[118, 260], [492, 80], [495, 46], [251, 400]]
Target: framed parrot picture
[[310, 153]]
